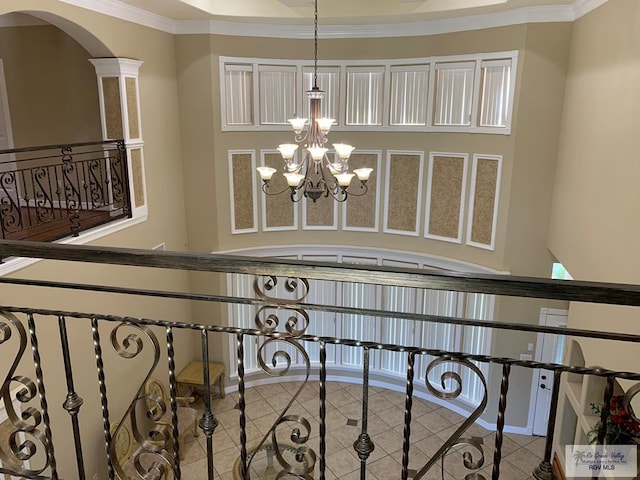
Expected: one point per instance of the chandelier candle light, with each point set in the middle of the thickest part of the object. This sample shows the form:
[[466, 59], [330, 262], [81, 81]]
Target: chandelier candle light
[[307, 178]]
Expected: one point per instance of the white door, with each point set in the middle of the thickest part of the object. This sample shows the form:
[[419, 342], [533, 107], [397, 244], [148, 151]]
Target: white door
[[549, 349]]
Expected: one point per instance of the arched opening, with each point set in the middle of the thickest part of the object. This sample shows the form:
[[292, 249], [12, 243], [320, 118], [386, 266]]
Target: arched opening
[[51, 88]]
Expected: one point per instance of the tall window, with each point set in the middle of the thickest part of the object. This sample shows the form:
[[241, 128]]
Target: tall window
[[442, 336], [462, 93], [277, 94], [408, 102], [496, 84], [364, 95], [239, 94], [453, 93]]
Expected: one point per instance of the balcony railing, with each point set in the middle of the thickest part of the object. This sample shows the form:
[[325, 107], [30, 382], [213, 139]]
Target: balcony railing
[[296, 445], [55, 191]]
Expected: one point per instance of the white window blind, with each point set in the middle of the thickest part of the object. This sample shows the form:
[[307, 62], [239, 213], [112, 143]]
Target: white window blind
[[432, 335], [357, 295], [495, 94], [453, 93], [329, 81], [476, 340], [409, 88], [277, 94], [364, 95], [322, 324], [239, 94]]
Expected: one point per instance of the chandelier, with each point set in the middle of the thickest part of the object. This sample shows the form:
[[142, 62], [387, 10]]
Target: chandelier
[[316, 175]]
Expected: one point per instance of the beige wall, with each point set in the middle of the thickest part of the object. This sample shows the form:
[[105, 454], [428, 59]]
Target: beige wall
[[594, 229], [165, 223], [52, 87]]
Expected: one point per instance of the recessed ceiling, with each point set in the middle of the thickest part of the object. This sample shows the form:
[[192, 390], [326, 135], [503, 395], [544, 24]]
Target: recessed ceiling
[[333, 11]]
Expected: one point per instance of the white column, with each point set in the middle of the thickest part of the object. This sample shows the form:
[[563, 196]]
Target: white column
[[120, 116]]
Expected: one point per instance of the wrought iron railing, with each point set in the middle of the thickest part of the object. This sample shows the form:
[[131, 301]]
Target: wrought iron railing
[[55, 191], [280, 322]]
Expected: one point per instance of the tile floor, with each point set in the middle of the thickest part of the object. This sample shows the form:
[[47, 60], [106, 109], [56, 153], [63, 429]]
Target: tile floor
[[431, 426]]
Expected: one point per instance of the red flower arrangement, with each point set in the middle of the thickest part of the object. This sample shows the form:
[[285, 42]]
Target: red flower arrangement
[[622, 428]]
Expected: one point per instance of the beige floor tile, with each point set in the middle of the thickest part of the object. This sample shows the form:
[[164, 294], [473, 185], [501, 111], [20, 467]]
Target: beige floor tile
[[390, 441], [223, 404], [393, 416], [396, 398], [418, 431], [524, 459], [195, 471], [507, 471], [224, 460], [520, 439], [387, 468], [431, 426], [269, 389], [379, 403], [434, 421], [192, 450], [342, 462]]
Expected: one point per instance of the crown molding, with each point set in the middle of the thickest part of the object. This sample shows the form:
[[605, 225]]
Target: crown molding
[[124, 11], [561, 13], [582, 7]]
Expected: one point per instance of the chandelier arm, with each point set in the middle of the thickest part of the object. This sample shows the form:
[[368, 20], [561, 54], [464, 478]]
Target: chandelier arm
[[301, 137], [363, 186], [267, 185]]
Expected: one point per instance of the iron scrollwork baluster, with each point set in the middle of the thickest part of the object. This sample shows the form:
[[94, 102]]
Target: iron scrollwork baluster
[[152, 459], [295, 326], [27, 442], [116, 165], [10, 213], [456, 437], [97, 178], [42, 197], [71, 190]]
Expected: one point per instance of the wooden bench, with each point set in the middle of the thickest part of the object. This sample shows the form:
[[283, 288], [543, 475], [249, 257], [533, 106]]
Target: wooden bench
[[192, 377]]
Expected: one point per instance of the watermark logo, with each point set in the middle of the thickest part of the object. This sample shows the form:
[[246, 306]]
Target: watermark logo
[[601, 461]]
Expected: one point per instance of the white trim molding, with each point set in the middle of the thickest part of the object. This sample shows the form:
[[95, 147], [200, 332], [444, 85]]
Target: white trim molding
[[387, 188], [378, 172], [517, 16], [427, 211], [253, 193], [496, 200]]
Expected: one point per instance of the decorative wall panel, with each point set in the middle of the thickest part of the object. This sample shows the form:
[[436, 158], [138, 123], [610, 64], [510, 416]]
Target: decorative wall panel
[[112, 107], [403, 193], [132, 107], [242, 168], [445, 196], [138, 177], [361, 212], [278, 211], [483, 203]]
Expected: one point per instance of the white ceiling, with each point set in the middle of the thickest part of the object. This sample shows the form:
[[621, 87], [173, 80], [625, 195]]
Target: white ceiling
[[335, 11]]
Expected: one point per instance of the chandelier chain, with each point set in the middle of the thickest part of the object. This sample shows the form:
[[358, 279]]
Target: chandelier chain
[[315, 45]]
